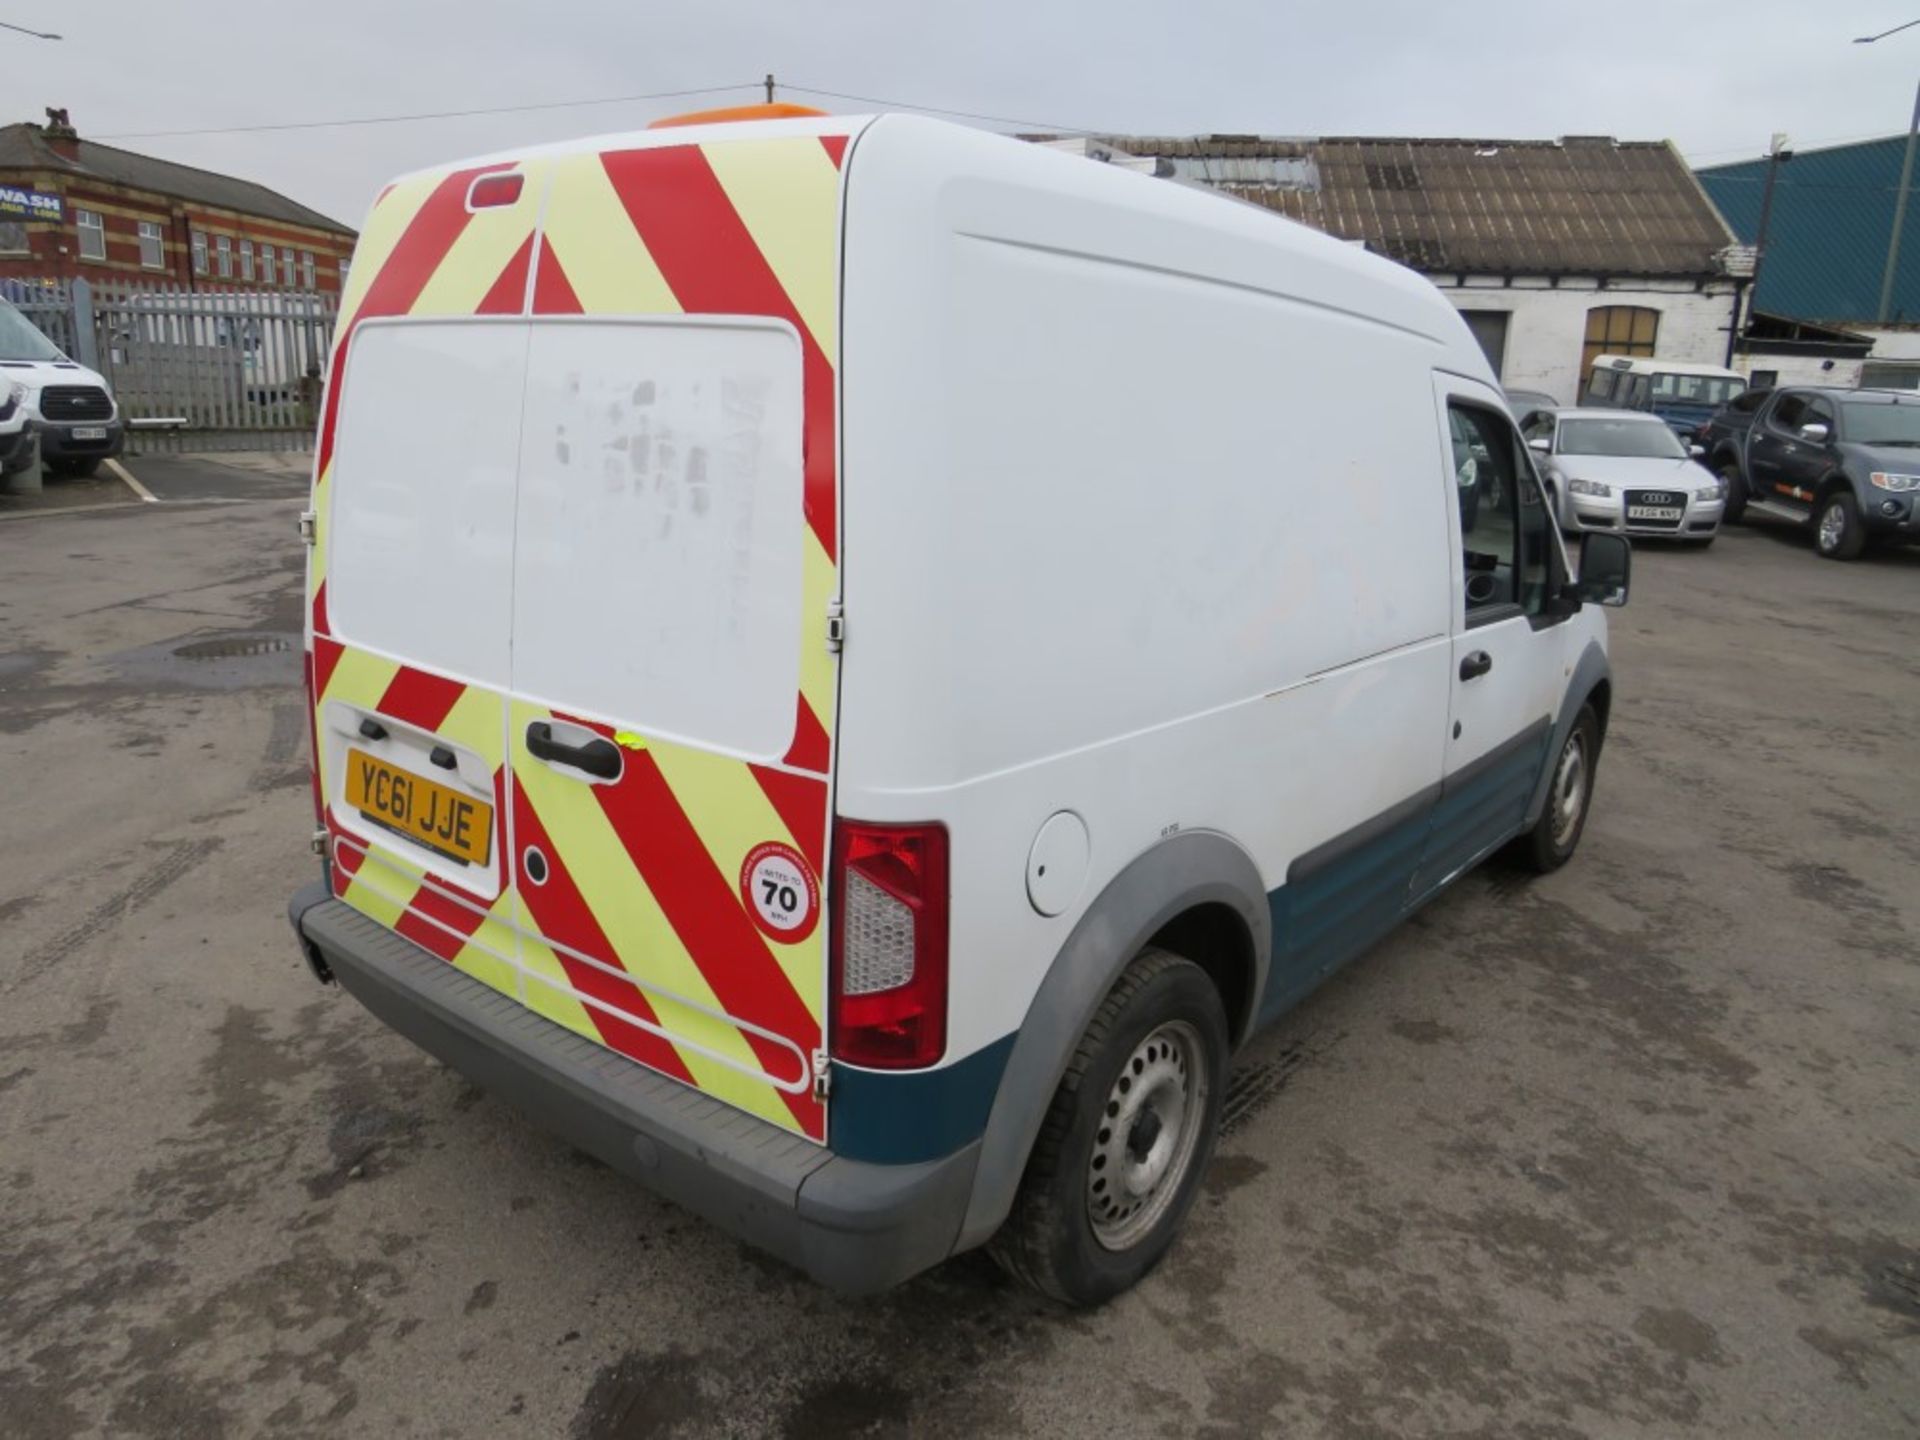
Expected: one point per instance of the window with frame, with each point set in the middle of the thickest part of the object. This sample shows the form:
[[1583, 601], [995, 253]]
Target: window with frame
[[1789, 415], [306, 268], [1619, 330], [345, 265], [1600, 387], [246, 260], [1506, 536], [153, 246], [13, 237], [266, 264], [223, 256], [1819, 412], [199, 252], [92, 226]]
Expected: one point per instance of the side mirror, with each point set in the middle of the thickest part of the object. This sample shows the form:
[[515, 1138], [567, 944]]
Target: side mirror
[[1606, 568], [1815, 434], [1542, 444], [1696, 451]]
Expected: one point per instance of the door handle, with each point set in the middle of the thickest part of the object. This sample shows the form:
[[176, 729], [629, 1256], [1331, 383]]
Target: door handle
[[599, 758], [1475, 665]]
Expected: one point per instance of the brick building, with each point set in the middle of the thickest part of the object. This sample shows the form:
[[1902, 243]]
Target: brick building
[[75, 209]]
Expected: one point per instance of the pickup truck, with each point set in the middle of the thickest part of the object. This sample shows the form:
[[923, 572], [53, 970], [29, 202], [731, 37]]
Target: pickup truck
[[1843, 463]]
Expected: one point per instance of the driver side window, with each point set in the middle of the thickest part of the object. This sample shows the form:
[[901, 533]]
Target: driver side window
[[1504, 530]]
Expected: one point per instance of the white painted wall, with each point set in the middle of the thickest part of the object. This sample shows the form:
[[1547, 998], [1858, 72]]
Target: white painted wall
[[1799, 370], [1548, 327], [1899, 345]]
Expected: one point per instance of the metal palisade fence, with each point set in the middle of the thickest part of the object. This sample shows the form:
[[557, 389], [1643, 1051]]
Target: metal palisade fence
[[194, 369]]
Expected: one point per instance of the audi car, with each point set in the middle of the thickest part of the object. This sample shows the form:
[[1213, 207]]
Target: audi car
[[1625, 471]]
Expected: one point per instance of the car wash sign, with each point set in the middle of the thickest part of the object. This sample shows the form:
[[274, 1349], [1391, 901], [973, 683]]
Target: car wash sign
[[18, 204]]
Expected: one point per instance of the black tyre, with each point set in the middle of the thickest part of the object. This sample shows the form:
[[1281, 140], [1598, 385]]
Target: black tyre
[[1736, 510], [1126, 1139], [1838, 531], [1552, 841], [75, 469]]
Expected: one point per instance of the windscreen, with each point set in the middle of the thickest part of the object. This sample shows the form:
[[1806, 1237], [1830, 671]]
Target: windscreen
[[421, 555], [1890, 425], [657, 572], [1712, 390], [1648, 440], [20, 341]]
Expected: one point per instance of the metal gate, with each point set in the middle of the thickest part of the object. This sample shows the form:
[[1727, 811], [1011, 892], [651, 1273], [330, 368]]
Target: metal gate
[[194, 369]]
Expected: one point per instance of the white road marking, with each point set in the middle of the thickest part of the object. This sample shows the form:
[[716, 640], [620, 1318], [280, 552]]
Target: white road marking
[[132, 484]]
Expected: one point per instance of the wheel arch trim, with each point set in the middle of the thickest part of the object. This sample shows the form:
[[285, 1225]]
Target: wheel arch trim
[[1589, 674], [1180, 873]]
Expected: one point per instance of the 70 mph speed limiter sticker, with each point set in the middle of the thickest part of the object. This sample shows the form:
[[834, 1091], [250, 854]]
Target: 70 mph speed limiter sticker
[[780, 892]]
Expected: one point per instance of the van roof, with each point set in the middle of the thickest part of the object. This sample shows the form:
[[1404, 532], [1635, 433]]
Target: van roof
[[1400, 298], [653, 139], [1651, 365]]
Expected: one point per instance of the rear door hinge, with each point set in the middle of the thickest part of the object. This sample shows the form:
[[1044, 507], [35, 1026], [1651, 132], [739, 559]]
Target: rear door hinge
[[822, 1075], [318, 844], [308, 518], [836, 627]]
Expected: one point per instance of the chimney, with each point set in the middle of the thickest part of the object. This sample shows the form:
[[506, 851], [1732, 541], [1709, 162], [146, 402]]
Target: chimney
[[60, 135]]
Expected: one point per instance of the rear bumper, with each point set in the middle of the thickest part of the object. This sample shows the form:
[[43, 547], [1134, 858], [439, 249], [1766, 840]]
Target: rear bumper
[[57, 442], [854, 1226]]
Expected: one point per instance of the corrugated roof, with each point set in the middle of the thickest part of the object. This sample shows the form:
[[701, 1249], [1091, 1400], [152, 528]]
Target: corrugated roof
[[1827, 240], [25, 147], [1585, 205]]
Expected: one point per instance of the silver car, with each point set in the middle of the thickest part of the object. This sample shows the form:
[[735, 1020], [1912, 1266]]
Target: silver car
[[1624, 471]]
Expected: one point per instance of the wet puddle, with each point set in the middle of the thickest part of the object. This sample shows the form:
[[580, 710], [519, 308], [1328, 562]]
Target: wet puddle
[[235, 660]]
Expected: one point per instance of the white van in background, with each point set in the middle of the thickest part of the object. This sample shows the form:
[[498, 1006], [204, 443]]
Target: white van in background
[[68, 406], [775, 726]]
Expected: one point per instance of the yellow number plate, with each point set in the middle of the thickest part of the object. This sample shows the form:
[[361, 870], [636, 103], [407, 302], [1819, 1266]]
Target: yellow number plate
[[426, 812]]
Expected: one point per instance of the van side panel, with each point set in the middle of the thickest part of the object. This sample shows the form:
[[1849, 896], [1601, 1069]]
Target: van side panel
[[1140, 483]]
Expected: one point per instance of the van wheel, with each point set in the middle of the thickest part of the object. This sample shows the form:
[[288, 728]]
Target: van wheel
[[1838, 532], [1736, 502], [1551, 842], [1120, 1154]]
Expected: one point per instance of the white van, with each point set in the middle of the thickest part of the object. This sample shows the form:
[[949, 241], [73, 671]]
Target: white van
[[897, 651], [42, 392]]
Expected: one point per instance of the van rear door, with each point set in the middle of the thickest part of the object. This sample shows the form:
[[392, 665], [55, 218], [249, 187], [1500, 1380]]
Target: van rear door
[[411, 621], [670, 730], [667, 853], [575, 555]]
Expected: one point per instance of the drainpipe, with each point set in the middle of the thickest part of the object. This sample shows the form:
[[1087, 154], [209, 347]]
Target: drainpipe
[[1899, 213], [1733, 328]]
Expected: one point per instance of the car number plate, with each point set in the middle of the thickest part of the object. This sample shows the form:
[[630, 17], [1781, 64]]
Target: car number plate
[[425, 811], [1654, 512], [89, 432]]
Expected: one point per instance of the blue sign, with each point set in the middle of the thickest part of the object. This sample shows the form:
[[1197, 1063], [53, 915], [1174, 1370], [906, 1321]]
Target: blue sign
[[17, 204]]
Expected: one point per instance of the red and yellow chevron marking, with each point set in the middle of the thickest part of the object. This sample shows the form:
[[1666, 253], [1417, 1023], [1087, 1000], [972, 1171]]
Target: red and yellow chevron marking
[[637, 937]]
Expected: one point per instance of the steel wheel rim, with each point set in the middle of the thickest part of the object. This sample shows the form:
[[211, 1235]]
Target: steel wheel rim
[[1149, 1131], [1833, 525], [1569, 798]]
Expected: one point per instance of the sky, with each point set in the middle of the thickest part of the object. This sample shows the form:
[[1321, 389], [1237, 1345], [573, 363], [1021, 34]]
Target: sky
[[1716, 78]]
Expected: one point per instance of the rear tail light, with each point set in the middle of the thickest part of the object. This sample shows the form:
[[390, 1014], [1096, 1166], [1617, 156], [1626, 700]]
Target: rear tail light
[[889, 945]]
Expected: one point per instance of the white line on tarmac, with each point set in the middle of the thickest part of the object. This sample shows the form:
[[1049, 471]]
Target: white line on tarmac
[[132, 484]]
